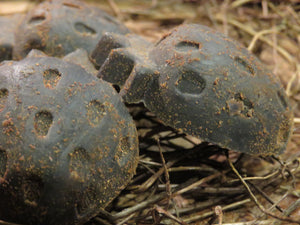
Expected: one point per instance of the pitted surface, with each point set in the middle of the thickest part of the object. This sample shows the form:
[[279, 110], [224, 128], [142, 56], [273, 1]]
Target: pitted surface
[[68, 144], [60, 27], [199, 81]]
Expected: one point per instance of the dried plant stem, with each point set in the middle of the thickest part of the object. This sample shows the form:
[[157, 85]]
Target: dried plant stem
[[258, 178], [249, 30], [196, 184], [7, 223], [255, 200], [224, 8], [219, 213], [140, 206], [102, 221], [198, 206], [259, 34], [295, 76], [115, 9], [265, 10], [289, 210], [258, 189], [211, 213], [292, 208], [143, 187], [268, 222], [192, 168], [126, 219], [275, 205], [168, 184], [296, 120], [282, 15], [169, 215], [161, 196], [239, 3]]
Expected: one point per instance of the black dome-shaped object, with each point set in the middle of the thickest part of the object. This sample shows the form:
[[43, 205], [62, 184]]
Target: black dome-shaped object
[[61, 26], [199, 81], [68, 145]]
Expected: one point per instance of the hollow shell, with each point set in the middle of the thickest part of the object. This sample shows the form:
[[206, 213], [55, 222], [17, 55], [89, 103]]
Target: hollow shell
[[213, 88], [62, 26], [68, 145]]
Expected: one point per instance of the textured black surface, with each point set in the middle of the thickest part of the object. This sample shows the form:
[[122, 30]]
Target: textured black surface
[[62, 26], [199, 81], [68, 145]]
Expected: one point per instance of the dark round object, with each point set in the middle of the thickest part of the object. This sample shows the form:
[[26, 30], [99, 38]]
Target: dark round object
[[68, 145], [62, 26], [203, 83], [215, 89]]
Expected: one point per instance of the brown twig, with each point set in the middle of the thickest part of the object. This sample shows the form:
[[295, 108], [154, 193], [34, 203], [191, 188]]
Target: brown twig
[[169, 215], [296, 120], [259, 34], [258, 189], [196, 184], [292, 207], [143, 187], [295, 77], [167, 177], [239, 3], [219, 214], [7, 223], [211, 213], [249, 30], [161, 196], [115, 9], [258, 204]]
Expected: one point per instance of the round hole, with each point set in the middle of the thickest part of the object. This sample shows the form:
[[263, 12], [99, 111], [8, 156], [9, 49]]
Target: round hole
[[37, 19], [79, 165], [243, 64], [190, 83], [51, 77], [42, 122], [185, 46], [84, 29], [240, 105], [95, 112]]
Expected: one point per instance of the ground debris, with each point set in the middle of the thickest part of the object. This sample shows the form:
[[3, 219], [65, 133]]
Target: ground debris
[[200, 178]]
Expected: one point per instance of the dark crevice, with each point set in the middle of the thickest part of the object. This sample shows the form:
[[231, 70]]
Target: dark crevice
[[185, 46], [84, 29]]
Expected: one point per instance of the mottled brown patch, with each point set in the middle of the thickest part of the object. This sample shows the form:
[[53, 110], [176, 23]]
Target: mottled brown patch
[[51, 78]]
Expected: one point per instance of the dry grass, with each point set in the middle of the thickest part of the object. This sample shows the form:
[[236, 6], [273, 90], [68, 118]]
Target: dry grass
[[182, 181]]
